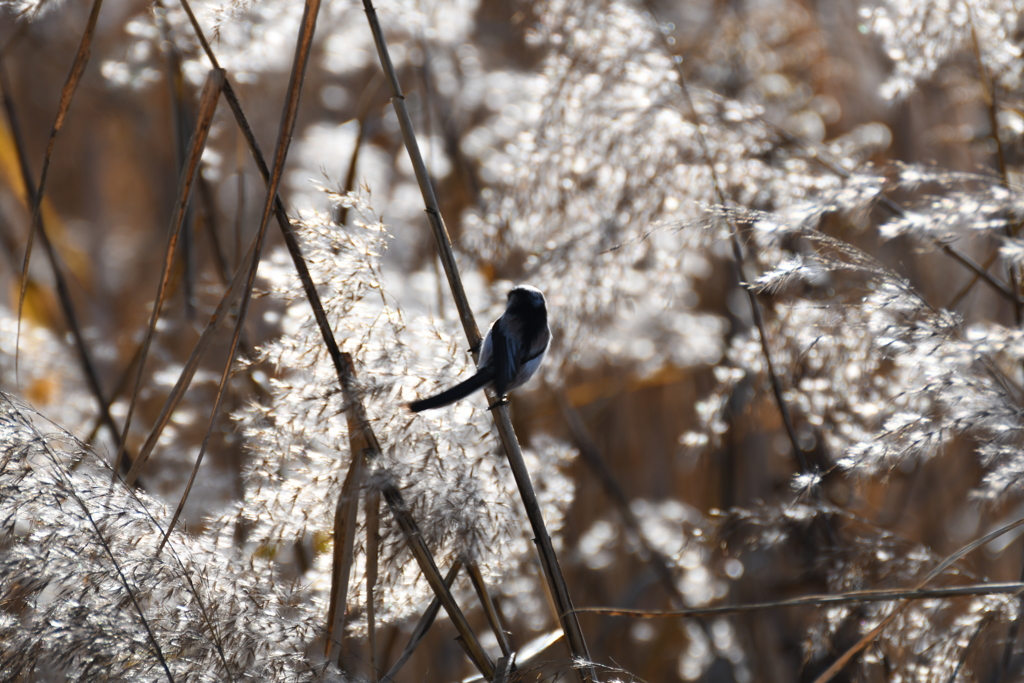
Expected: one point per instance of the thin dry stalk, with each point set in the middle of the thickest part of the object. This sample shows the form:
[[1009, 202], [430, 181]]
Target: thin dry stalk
[[959, 296], [423, 625], [186, 574], [979, 271], [408, 526], [847, 656], [67, 93], [346, 513], [513, 451], [7, 95], [227, 300], [284, 138], [991, 105], [34, 198], [209, 224], [143, 621], [591, 455], [970, 646], [179, 115], [189, 171], [128, 589], [488, 604], [362, 114], [739, 258], [122, 384], [993, 121], [372, 508], [451, 267], [880, 595]]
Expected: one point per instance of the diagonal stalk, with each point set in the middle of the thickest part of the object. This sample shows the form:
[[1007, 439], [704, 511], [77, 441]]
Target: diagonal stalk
[[370, 449], [227, 300], [143, 620], [868, 638], [1013, 588], [489, 609], [34, 196], [345, 515], [67, 94], [189, 171], [739, 259], [372, 510], [343, 368], [422, 626], [548, 559], [284, 137]]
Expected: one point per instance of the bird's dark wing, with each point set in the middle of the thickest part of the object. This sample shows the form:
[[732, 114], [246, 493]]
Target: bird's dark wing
[[504, 360]]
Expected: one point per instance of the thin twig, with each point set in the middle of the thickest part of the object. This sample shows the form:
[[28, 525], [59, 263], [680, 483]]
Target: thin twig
[[192, 365], [591, 455], [428, 130], [122, 384], [959, 296], [664, 568], [124, 582], [209, 225], [868, 638], [211, 624], [451, 268], [738, 256], [967, 648], [991, 105], [182, 126], [361, 117], [817, 600], [993, 120]]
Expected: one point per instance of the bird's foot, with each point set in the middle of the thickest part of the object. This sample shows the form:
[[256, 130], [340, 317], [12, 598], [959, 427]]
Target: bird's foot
[[500, 402]]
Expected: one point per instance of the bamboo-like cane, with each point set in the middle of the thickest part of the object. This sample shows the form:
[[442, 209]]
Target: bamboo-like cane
[[548, 560]]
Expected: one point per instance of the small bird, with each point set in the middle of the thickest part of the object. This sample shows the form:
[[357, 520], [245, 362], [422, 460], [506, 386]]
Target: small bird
[[512, 350]]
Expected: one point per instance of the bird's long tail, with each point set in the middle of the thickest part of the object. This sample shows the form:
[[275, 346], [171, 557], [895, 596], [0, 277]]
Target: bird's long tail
[[460, 390]]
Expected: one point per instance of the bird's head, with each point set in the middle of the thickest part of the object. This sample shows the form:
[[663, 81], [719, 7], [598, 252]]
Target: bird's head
[[526, 297]]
